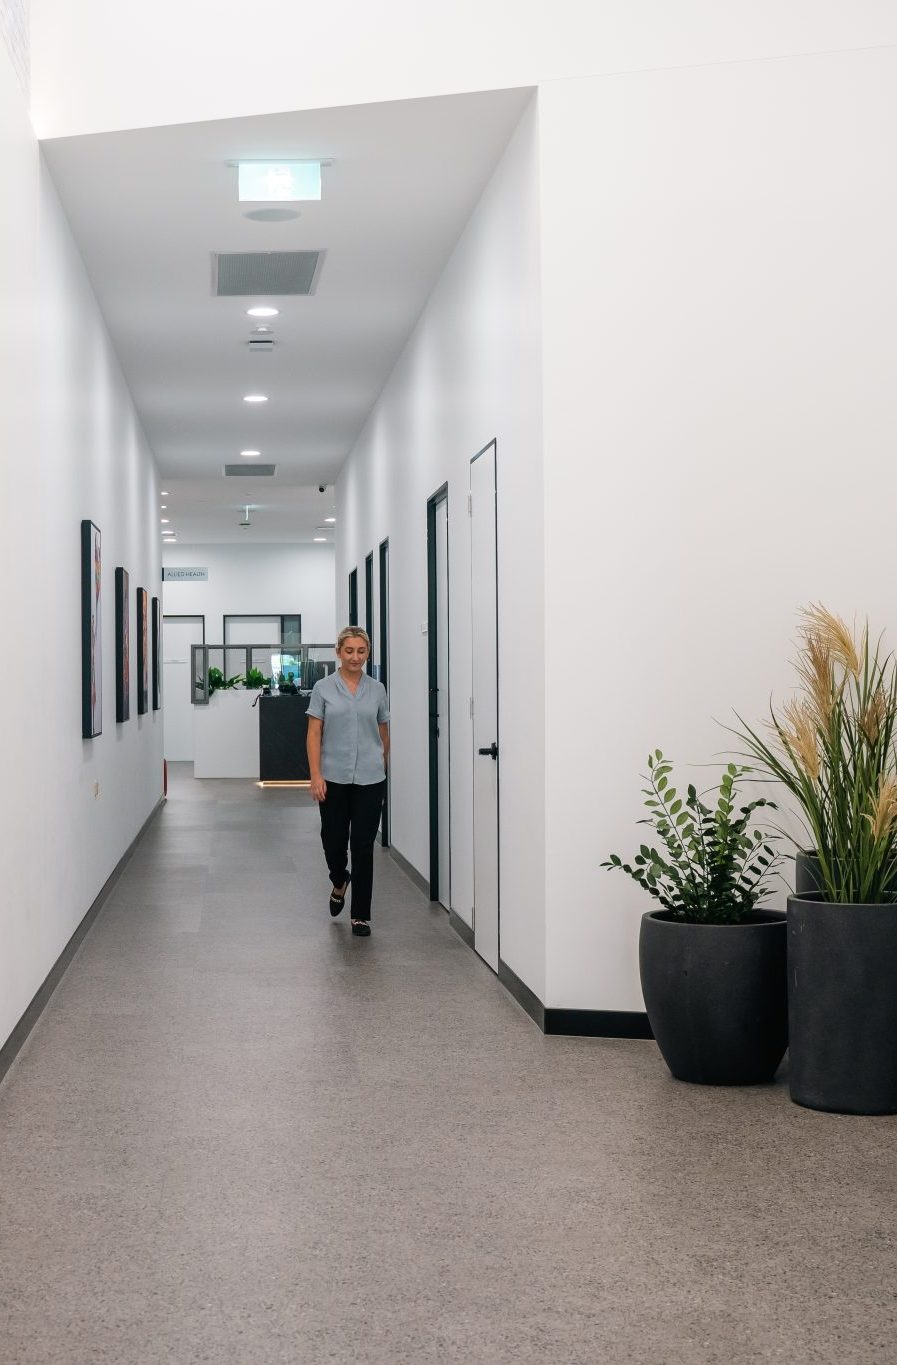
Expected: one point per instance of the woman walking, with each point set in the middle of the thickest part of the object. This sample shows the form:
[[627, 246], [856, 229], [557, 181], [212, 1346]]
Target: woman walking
[[348, 749]]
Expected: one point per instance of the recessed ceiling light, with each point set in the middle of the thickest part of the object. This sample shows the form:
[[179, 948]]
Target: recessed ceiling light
[[250, 454], [268, 181], [165, 507], [262, 312], [321, 540], [262, 331], [330, 519], [255, 398], [165, 493], [164, 520]]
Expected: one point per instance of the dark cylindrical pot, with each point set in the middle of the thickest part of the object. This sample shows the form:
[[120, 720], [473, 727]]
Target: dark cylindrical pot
[[716, 996], [842, 1005], [807, 877]]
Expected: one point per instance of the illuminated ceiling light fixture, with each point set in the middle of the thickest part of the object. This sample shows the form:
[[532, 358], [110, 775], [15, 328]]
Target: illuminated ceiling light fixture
[[331, 520], [164, 520], [250, 454], [262, 312], [165, 493], [266, 182], [320, 540], [255, 398]]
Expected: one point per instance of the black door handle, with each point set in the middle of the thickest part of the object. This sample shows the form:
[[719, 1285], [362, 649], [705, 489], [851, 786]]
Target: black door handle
[[492, 751]]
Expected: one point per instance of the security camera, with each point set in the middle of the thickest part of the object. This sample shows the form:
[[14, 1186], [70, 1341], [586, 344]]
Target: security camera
[[322, 488]]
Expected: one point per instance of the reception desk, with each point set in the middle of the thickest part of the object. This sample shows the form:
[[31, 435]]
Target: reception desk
[[283, 723], [234, 738]]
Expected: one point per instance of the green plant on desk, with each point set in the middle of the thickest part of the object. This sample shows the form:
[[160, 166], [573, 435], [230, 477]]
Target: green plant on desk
[[256, 678]]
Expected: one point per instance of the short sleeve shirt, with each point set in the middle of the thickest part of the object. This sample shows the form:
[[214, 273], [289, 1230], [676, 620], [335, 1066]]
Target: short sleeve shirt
[[351, 748]]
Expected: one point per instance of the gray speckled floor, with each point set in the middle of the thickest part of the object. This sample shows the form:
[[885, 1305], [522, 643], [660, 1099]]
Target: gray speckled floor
[[240, 1136]]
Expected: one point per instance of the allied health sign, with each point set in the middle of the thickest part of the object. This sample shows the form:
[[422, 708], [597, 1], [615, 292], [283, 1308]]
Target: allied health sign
[[181, 575]]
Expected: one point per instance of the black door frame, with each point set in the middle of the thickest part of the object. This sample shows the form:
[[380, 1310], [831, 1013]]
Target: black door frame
[[383, 660], [353, 597], [369, 606], [441, 495]]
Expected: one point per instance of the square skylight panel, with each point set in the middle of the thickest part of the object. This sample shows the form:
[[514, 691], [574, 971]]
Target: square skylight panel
[[267, 182]]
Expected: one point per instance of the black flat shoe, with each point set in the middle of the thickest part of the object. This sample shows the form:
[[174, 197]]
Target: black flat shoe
[[361, 928], [337, 902]]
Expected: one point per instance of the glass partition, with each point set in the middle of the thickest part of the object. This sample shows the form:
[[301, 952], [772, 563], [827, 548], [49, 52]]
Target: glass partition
[[276, 668]]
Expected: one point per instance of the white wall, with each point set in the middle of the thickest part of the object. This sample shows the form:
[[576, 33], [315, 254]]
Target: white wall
[[71, 448], [255, 580], [470, 373], [97, 66], [719, 295]]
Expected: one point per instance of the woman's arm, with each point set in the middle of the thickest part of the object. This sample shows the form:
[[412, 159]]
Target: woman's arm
[[313, 749], [384, 740]]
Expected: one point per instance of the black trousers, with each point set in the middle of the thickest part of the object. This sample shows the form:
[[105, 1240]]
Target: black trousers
[[350, 816]]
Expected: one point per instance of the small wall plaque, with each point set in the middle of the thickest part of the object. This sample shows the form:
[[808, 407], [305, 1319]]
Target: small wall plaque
[[183, 575]]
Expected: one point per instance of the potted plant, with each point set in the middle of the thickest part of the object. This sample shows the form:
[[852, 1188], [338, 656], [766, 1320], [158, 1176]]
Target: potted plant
[[833, 748], [219, 683], [255, 678], [712, 961]]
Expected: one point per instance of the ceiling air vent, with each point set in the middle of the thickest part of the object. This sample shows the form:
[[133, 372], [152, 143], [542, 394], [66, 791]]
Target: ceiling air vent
[[265, 272], [250, 471], [262, 346]]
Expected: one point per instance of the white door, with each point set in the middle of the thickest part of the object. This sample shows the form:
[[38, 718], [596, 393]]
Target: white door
[[442, 702], [484, 617], [178, 634]]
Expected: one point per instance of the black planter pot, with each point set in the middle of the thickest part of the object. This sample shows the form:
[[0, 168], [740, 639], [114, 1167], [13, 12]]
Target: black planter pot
[[807, 878], [842, 1005], [716, 996]]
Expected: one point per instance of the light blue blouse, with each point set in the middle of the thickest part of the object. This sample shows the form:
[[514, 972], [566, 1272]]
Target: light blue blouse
[[351, 748]]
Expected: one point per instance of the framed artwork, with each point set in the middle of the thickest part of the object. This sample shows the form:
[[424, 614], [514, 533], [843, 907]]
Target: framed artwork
[[91, 632], [122, 647], [143, 658], [157, 654]]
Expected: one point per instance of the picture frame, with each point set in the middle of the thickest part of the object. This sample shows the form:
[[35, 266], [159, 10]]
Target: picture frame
[[122, 647], [143, 653], [157, 654], [91, 631]]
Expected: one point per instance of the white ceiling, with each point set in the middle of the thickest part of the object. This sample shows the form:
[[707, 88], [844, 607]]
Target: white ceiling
[[149, 207], [283, 509]]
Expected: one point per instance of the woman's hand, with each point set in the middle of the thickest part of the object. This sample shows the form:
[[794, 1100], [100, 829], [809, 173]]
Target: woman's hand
[[319, 788]]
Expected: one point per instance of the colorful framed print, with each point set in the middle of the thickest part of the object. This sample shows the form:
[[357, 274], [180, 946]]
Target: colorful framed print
[[122, 647], [157, 654], [91, 632], [143, 658]]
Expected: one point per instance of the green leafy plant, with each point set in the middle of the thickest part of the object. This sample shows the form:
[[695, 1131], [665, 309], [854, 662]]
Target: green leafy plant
[[712, 865], [219, 683], [833, 748], [256, 678]]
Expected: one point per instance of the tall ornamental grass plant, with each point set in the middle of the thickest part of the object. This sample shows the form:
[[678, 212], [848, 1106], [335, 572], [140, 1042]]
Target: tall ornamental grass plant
[[833, 747]]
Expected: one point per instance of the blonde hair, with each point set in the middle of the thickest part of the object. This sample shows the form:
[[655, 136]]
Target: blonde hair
[[350, 633]]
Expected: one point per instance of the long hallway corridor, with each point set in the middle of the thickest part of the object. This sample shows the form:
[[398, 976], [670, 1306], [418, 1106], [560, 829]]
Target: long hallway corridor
[[239, 1135]]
